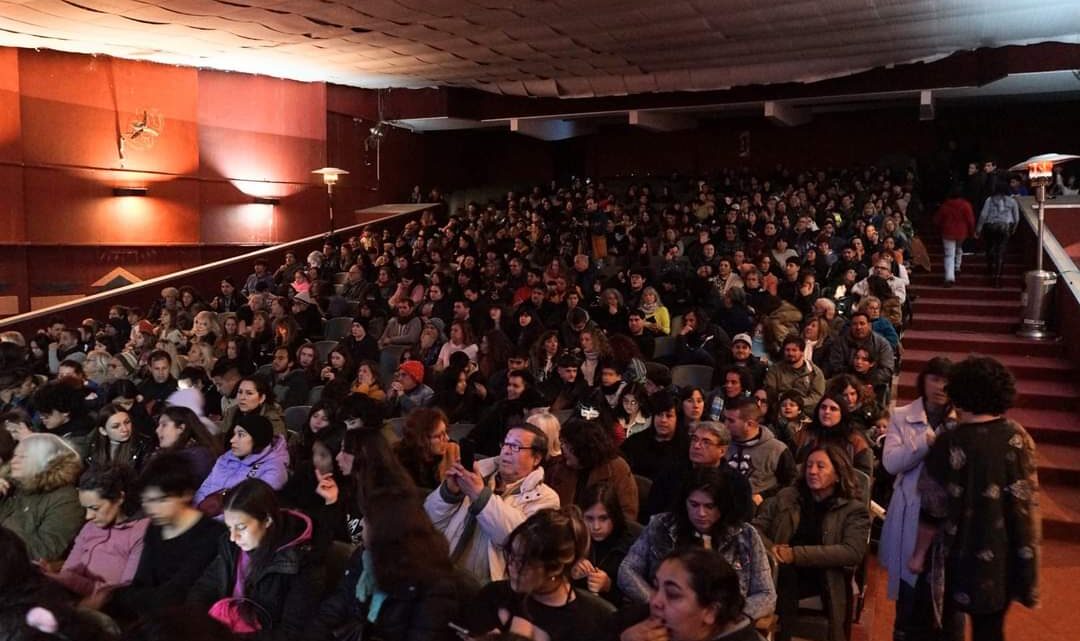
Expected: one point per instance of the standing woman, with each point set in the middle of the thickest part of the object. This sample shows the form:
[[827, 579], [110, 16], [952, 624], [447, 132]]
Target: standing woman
[[539, 599], [979, 490], [817, 530], [106, 552], [179, 429], [399, 585], [908, 438], [956, 221], [997, 222], [268, 574]]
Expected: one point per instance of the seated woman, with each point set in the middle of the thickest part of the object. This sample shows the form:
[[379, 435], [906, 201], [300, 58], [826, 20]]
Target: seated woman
[[832, 423], [589, 458], [116, 442], [461, 340], [697, 599], [862, 365], [254, 397], [539, 601], [254, 452], [268, 574], [38, 501], [425, 449], [610, 539], [181, 430], [107, 550], [369, 381], [816, 530], [712, 518], [314, 462], [398, 586]]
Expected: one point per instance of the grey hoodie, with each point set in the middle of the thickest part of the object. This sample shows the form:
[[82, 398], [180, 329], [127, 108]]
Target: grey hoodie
[[764, 460]]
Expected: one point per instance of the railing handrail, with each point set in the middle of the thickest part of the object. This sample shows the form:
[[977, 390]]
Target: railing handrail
[[386, 210], [1064, 265]]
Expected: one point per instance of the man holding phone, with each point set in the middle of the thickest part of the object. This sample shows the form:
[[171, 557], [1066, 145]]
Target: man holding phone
[[477, 509]]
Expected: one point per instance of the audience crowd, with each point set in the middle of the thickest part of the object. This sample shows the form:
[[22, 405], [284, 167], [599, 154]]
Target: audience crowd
[[575, 413]]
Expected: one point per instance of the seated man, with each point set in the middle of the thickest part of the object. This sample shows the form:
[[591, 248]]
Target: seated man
[[290, 384], [882, 270], [408, 391], [178, 545], [755, 453], [795, 373], [476, 511], [859, 334]]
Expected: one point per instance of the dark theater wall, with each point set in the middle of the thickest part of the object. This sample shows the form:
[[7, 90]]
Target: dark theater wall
[[227, 138]]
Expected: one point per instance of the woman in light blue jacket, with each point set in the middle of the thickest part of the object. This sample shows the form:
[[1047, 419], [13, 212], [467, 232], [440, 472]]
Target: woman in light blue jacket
[[911, 431], [254, 452]]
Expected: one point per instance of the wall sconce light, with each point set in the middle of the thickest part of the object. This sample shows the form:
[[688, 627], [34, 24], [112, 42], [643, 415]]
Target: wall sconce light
[[129, 191], [330, 177], [266, 200]]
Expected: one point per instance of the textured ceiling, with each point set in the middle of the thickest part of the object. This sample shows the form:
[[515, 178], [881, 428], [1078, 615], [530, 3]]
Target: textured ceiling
[[566, 48]]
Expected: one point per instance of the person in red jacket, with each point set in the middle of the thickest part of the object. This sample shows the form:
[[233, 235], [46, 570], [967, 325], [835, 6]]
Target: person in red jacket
[[956, 221]]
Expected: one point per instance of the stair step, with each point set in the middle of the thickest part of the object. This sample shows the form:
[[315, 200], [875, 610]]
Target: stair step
[[1058, 464], [963, 323], [963, 291], [1059, 506], [1022, 366], [1047, 427], [959, 345], [968, 277], [1030, 394], [955, 304]]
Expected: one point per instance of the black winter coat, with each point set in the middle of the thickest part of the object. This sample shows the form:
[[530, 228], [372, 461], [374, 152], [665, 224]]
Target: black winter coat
[[416, 613], [287, 587]]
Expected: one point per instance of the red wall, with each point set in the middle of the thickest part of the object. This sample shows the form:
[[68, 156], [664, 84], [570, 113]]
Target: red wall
[[227, 138]]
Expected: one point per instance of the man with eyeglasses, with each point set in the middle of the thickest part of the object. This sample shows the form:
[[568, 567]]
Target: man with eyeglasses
[[883, 270], [709, 442], [477, 509]]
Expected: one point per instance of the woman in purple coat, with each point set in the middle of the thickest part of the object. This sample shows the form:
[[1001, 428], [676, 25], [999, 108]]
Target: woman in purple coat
[[254, 452]]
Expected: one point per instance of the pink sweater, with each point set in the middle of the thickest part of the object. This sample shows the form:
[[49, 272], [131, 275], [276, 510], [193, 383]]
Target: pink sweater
[[103, 556]]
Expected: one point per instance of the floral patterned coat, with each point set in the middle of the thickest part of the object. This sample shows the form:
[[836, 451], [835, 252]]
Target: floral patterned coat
[[980, 485]]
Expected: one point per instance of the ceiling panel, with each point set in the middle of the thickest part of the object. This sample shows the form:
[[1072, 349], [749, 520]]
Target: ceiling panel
[[567, 48]]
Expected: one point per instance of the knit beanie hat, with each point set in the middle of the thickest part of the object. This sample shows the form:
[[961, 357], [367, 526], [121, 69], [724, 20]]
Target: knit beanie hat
[[129, 361], [415, 370], [260, 428]]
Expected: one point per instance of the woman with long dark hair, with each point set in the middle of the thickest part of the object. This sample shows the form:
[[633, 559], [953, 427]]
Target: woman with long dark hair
[[115, 440], [710, 515], [831, 423], [398, 586], [268, 574], [697, 599], [816, 530], [179, 429], [106, 551]]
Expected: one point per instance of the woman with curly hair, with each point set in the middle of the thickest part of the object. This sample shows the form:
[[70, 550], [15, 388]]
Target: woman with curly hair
[[980, 504], [594, 345], [589, 458], [425, 449]]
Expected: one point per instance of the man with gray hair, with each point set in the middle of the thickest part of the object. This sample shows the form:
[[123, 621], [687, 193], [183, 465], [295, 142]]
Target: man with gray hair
[[709, 442]]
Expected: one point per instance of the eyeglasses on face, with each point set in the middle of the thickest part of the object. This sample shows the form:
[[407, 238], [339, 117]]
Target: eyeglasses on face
[[514, 448], [703, 442]]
